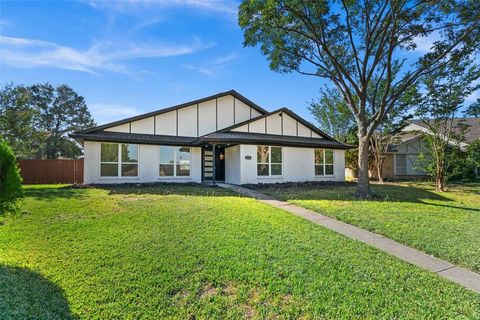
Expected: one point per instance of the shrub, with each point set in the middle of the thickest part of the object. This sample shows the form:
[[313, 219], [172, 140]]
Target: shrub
[[10, 180]]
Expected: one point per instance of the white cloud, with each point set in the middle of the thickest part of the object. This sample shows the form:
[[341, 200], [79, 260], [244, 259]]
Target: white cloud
[[473, 97], [31, 53], [214, 68], [105, 112], [216, 6], [425, 44]]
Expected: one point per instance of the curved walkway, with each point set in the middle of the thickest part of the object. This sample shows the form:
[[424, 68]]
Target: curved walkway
[[464, 277]]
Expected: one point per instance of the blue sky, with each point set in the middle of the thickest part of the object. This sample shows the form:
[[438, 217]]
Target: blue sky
[[131, 57], [128, 57]]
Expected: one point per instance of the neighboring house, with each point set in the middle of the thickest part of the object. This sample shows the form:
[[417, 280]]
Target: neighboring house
[[401, 160], [224, 137]]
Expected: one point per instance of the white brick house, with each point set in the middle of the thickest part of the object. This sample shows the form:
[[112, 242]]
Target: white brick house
[[224, 137]]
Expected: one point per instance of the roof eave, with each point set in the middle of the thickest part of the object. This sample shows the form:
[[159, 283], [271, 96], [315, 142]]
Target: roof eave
[[259, 141]]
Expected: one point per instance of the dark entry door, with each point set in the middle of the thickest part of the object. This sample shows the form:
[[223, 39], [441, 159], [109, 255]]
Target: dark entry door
[[220, 164], [207, 163]]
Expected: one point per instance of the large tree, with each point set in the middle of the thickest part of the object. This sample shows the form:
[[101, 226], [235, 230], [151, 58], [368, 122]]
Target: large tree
[[445, 91], [18, 121], [62, 111], [359, 46], [333, 117]]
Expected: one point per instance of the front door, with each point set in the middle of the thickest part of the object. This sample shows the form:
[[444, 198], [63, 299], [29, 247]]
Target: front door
[[207, 163], [220, 164]]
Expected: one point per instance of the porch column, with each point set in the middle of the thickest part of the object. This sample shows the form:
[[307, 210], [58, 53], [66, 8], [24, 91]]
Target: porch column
[[214, 152]]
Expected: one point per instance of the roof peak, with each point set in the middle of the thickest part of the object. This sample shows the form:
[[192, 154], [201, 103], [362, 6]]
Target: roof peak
[[231, 92]]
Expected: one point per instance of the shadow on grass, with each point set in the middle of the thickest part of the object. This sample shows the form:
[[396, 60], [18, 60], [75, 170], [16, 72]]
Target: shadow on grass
[[184, 189], [53, 192], [25, 294], [346, 191]]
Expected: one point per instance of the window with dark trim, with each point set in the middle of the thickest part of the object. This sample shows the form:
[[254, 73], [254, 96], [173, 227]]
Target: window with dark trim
[[269, 161], [323, 162], [118, 160]]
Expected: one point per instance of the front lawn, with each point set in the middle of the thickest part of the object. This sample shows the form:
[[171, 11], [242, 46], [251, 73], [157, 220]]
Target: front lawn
[[446, 225], [197, 252]]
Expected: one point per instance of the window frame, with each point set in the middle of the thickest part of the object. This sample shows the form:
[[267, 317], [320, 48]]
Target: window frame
[[270, 175], [175, 175], [395, 161], [119, 162], [324, 164]]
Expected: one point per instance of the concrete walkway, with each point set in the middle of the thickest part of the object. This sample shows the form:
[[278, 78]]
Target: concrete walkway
[[464, 277]]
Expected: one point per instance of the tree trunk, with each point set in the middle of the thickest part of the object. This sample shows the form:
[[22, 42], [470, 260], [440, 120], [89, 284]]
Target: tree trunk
[[380, 171], [440, 184], [440, 178], [363, 186]]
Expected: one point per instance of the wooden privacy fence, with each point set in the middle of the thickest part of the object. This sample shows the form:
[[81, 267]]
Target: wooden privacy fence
[[51, 171]]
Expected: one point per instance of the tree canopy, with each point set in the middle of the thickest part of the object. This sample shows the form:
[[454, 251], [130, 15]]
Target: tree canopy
[[36, 120], [360, 47]]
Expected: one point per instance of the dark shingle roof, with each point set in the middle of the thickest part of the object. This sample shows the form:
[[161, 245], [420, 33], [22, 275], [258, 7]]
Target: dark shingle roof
[[135, 138], [473, 124], [271, 139], [217, 137]]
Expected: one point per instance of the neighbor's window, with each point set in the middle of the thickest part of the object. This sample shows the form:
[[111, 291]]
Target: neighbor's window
[[401, 164], [269, 161], [118, 159], [174, 161], [323, 162]]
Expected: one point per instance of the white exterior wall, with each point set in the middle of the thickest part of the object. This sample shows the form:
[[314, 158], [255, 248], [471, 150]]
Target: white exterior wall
[[225, 112], [125, 128], [279, 125], [187, 121], [145, 126], [298, 165], [148, 166], [166, 124], [193, 120], [232, 165]]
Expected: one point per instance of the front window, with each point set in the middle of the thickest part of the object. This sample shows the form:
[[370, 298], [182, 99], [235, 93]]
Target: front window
[[323, 162], [174, 161], [269, 161], [118, 160]]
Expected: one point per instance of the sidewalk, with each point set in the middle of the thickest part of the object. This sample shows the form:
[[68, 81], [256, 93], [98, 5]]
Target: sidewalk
[[464, 277]]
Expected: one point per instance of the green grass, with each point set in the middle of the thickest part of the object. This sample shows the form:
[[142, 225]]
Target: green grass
[[196, 252], [446, 225]]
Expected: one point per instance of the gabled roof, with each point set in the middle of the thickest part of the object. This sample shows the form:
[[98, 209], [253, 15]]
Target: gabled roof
[[179, 106], [472, 133], [406, 140], [283, 110]]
